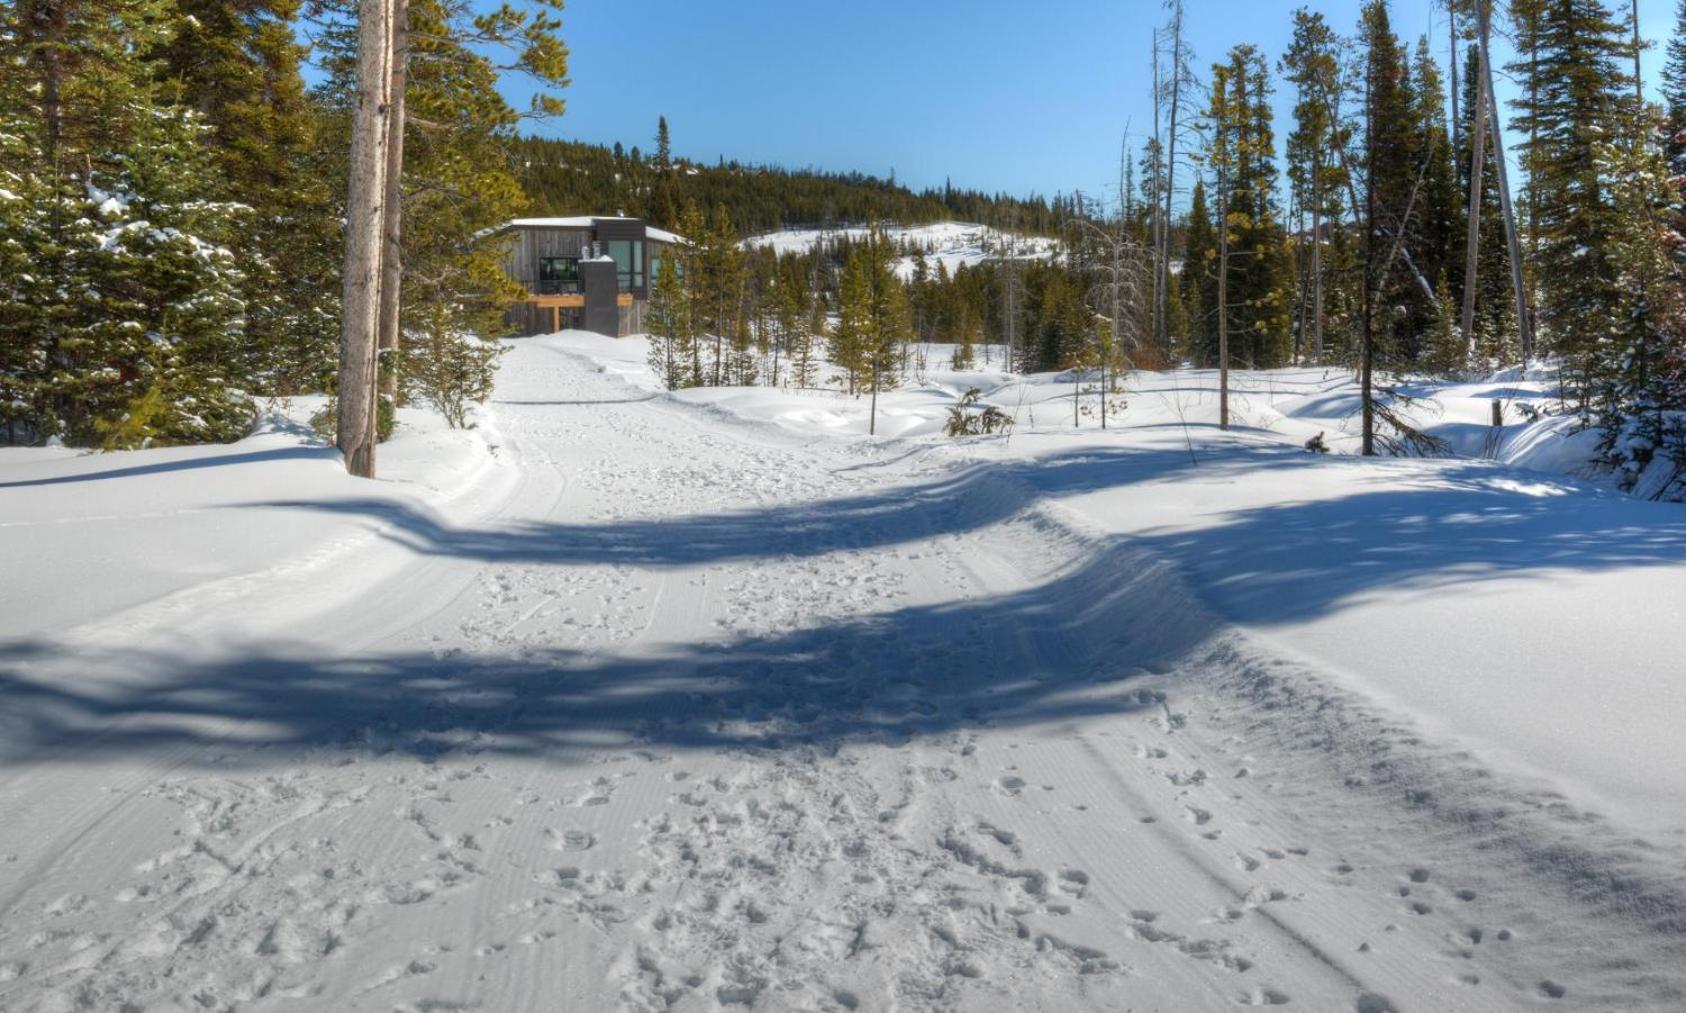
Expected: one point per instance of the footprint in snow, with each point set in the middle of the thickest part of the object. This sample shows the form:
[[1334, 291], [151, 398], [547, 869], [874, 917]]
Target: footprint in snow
[[1265, 997]]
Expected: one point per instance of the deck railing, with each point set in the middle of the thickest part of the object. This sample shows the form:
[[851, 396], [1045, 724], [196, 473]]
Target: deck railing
[[553, 286]]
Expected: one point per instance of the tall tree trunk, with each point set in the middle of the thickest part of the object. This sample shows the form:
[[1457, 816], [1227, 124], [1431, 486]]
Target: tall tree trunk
[[1158, 192], [1171, 162], [392, 264], [1519, 288], [364, 229], [1452, 62], [1478, 163], [872, 412], [1317, 257], [1367, 352], [1223, 307], [1533, 176]]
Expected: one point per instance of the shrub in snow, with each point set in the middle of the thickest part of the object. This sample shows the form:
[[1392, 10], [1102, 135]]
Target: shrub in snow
[[968, 418], [445, 368], [324, 421]]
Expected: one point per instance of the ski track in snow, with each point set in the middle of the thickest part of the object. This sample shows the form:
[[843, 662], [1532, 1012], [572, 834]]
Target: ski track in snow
[[727, 748]]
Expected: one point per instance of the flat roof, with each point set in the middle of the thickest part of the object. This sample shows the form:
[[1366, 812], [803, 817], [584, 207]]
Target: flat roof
[[589, 221]]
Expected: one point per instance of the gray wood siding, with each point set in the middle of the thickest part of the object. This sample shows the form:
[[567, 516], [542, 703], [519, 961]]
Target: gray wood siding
[[532, 245]]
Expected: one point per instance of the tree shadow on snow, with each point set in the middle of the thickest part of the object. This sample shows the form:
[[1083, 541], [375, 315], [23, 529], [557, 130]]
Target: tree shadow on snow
[[1065, 649], [1448, 528], [955, 503], [195, 463]]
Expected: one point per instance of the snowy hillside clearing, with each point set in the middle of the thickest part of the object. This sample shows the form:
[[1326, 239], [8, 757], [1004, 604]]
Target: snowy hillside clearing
[[951, 244], [702, 704]]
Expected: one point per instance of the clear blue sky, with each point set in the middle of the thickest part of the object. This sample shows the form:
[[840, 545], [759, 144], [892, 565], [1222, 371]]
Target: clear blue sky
[[1017, 97]]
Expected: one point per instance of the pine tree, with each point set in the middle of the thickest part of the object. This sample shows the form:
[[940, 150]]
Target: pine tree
[[1640, 394], [1446, 352], [1199, 281], [1576, 95], [720, 295], [26, 225], [966, 338], [852, 337], [672, 339], [1316, 172], [136, 321], [1435, 243], [236, 62], [1396, 168], [664, 210], [1255, 278], [890, 320], [804, 364]]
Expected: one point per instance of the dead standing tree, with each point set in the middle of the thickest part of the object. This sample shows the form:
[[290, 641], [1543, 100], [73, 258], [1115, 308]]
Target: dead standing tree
[[1181, 81], [1121, 292]]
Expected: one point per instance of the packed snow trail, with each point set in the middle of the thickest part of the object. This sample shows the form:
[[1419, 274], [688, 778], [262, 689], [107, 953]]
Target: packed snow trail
[[692, 713]]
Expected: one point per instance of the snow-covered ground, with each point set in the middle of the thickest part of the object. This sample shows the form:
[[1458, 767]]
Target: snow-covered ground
[[952, 244], [702, 700]]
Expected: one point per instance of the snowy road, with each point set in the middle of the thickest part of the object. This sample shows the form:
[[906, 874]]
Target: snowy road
[[677, 711]]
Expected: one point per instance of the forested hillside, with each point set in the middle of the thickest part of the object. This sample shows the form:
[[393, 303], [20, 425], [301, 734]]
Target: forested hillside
[[570, 177]]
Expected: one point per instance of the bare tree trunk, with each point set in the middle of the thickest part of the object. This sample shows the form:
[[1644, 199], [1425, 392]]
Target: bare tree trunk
[[872, 416], [1223, 307], [1302, 277], [1478, 163], [1159, 281], [364, 228], [1452, 61], [1317, 257], [1533, 176], [392, 264], [1171, 165], [1519, 288], [1367, 353]]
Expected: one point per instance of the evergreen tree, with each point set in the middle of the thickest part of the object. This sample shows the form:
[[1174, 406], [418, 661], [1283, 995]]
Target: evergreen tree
[[891, 317], [134, 320], [804, 363], [236, 62], [1257, 282], [664, 208], [1396, 168], [720, 295], [1316, 170], [1641, 380], [1200, 281], [852, 337], [672, 340], [1435, 242], [1576, 96]]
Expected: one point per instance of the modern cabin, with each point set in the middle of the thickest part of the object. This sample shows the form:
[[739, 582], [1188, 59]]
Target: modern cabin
[[588, 273]]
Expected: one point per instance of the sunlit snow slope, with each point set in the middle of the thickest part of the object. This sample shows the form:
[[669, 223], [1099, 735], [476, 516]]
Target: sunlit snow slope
[[707, 700]]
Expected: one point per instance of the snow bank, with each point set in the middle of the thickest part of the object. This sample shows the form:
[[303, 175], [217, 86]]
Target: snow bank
[[87, 534]]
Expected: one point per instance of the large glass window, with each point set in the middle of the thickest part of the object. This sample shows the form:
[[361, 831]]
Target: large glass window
[[558, 275], [628, 255]]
